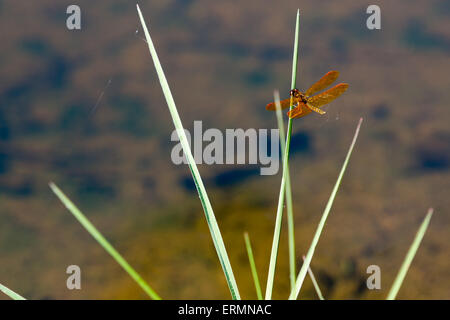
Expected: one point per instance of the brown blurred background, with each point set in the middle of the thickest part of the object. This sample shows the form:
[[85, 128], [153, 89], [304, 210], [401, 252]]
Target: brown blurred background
[[222, 60]]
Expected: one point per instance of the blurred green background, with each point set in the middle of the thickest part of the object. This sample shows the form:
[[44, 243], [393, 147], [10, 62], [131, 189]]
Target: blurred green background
[[223, 59]]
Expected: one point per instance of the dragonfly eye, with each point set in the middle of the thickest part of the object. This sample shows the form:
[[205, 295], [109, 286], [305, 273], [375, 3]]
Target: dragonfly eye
[[294, 93]]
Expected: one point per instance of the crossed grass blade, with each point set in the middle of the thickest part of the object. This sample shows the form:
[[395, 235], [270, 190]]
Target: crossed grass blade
[[304, 269]]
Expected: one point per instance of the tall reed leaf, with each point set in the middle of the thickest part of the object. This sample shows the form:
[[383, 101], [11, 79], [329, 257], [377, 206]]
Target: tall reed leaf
[[312, 248], [277, 230], [409, 256], [10, 293], [252, 265], [103, 242], [289, 207], [207, 208]]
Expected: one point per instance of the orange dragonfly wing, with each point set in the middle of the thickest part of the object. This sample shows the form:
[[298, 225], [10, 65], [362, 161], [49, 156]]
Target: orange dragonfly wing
[[299, 111], [328, 96], [324, 82], [284, 104]]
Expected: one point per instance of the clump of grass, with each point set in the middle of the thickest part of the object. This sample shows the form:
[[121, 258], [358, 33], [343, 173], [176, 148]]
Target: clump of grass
[[285, 192]]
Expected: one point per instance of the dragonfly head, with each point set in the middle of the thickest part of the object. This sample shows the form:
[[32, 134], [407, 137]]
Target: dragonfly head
[[295, 93]]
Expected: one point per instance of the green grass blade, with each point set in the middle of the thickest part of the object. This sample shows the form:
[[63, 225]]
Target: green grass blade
[[295, 55], [207, 208], [409, 256], [289, 206], [10, 293], [314, 281], [102, 241], [276, 97], [252, 265], [277, 229], [312, 248]]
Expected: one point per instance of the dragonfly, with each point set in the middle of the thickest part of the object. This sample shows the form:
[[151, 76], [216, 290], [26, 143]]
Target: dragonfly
[[305, 103]]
